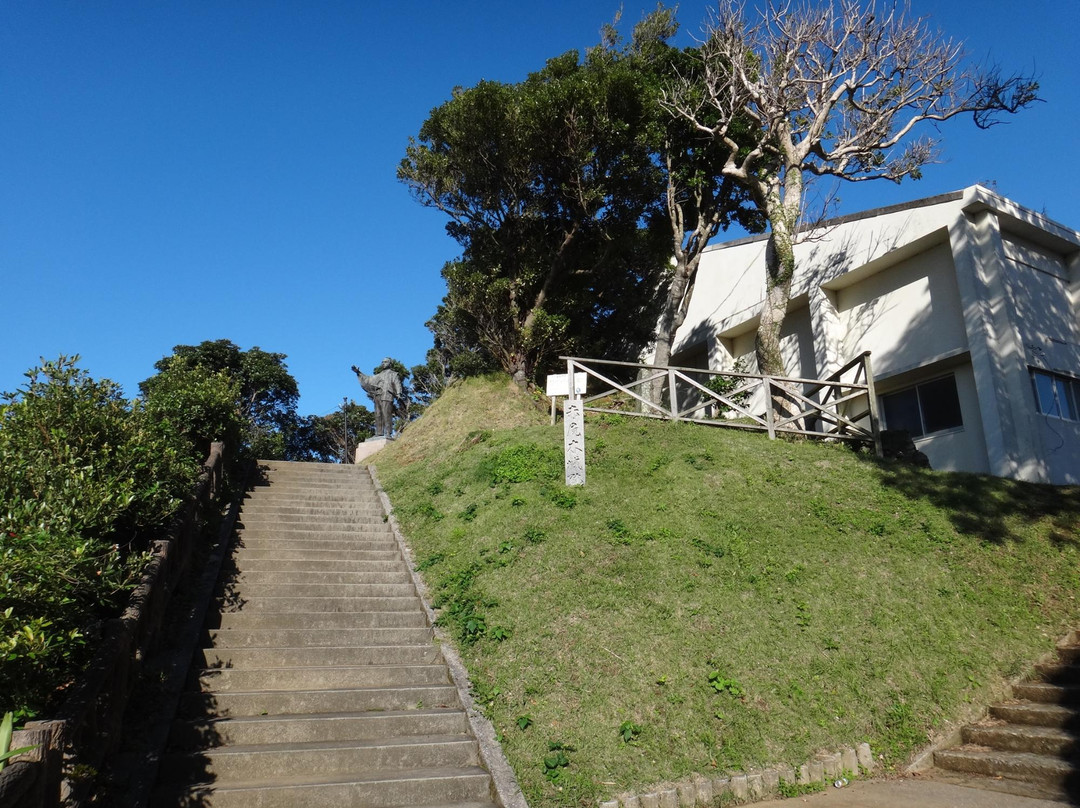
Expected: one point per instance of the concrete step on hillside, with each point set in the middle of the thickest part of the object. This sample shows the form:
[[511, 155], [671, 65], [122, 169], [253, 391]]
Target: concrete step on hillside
[[299, 702], [266, 729], [319, 604], [320, 637], [332, 677], [317, 657], [468, 787], [318, 620], [1031, 742], [322, 758], [319, 683]]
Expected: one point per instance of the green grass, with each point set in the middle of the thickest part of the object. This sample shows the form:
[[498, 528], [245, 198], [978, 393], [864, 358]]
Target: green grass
[[713, 600]]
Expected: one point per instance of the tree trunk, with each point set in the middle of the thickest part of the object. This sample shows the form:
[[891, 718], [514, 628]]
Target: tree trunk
[[671, 318], [783, 214]]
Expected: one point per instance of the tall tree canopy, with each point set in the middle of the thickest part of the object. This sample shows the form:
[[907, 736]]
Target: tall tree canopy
[[833, 89], [552, 193], [267, 391]]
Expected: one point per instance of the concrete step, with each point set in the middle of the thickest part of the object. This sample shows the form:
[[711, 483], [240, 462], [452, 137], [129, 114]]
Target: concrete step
[[374, 530], [315, 565], [291, 576], [1015, 765], [254, 591], [285, 554], [317, 657], [308, 522], [310, 677], [1046, 693], [371, 542], [424, 787], [410, 618], [324, 510], [320, 637], [320, 759], [1026, 712], [1058, 673], [1069, 654], [316, 604], [1048, 741], [261, 729], [298, 702]]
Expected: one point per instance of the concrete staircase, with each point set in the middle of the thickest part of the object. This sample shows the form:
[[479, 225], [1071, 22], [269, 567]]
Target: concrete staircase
[[319, 683], [1031, 744]]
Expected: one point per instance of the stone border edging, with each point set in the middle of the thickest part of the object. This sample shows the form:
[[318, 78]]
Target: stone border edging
[[699, 791], [506, 785]]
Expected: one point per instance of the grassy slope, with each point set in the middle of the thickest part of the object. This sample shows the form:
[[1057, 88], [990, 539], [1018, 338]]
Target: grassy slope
[[834, 600]]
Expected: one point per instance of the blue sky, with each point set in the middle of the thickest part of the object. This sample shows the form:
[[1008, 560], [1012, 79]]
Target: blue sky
[[178, 171]]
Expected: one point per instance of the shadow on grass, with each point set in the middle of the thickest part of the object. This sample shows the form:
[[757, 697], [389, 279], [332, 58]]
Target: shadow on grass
[[990, 507]]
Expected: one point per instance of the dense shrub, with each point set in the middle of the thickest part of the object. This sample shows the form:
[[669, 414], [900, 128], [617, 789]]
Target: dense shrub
[[85, 479]]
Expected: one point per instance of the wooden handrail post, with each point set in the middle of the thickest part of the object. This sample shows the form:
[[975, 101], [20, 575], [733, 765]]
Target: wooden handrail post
[[673, 395], [769, 416], [871, 396]]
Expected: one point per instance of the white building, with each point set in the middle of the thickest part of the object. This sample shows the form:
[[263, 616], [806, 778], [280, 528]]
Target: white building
[[968, 303]]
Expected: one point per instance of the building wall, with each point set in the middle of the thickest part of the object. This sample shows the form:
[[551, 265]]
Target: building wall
[[967, 283]]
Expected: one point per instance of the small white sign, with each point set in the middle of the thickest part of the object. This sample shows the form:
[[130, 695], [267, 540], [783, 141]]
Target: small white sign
[[558, 384]]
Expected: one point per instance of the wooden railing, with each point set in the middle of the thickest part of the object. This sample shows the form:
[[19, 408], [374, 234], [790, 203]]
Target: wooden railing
[[842, 406], [87, 727]]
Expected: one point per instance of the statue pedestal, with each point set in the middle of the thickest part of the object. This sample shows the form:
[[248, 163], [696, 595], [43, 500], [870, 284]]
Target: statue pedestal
[[369, 447]]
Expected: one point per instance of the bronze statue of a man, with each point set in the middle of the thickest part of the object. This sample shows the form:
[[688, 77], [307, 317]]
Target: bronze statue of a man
[[384, 390]]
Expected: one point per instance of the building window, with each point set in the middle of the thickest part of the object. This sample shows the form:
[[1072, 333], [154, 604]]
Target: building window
[[928, 407], [1057, 396]]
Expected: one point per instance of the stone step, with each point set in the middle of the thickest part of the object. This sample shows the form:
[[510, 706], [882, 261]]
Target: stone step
[[324, 510], [319, 759], [309, 522], [410, 618], [311, 677], [325, 604], [297, 702], [254, 591], [285, 554], [1049, 741], [1015, 765], [243, 658], [371, 543], [374, 530], [315, 565], [1058, 673], [1033, 713], [320, 637], [259, 729], [1069, 654], [1046, 693], [325, 576], [457, 787]]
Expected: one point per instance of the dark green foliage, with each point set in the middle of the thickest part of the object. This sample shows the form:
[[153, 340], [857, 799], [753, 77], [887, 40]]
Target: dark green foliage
[[550, 191], [522, 463], [200, 403], [267, 392], [86, 478], [322, 438]]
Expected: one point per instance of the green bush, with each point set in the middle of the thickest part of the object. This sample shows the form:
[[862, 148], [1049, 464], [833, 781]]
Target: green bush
[[198, 402], [86, 478], [522, 463]]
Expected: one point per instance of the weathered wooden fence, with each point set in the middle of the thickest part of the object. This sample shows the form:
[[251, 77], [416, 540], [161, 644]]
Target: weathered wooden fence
[[842, 406], [86, 729]]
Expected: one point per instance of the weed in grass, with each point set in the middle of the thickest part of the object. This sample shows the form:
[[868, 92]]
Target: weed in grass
[[534, 535], [430, 561], [556, 760], [522, 463], [788, 790], [469, 513], [560, 497], [518, 502], [524, 722], [435, 488], [499, 633], [428, 511], [629, 731], [619, 530], [723, 684]]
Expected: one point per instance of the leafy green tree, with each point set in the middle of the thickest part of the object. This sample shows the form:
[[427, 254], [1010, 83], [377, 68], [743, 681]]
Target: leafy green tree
[[267, 392], [322, 438], [86, 478], [200, 403], [552, 195]]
